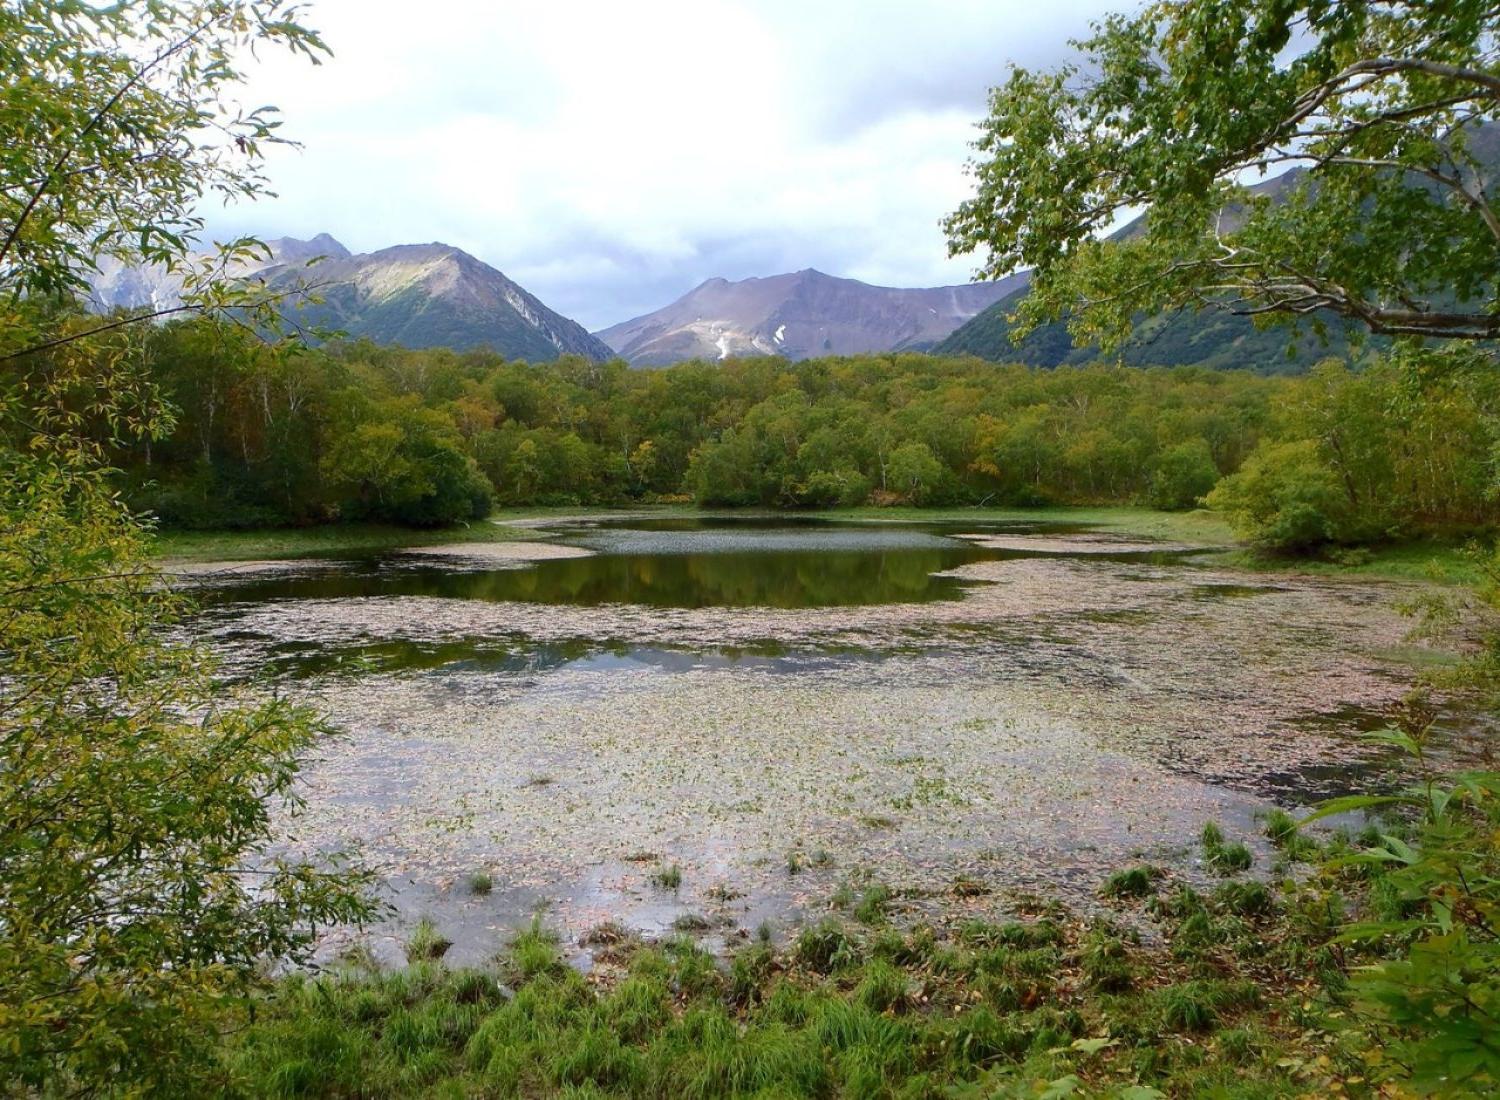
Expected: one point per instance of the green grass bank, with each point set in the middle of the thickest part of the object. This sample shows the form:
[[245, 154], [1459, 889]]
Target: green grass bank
[[1240, 991]]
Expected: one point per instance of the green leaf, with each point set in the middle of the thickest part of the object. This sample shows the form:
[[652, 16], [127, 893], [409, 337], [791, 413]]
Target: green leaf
[[1350, 803], [1093, 1046]]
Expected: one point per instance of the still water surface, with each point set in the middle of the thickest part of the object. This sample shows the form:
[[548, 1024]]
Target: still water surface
[[680, 562]]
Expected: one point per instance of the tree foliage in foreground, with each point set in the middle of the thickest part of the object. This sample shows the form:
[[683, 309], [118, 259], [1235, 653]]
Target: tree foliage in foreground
[[140, 898], [1386, 108], [116, 121]]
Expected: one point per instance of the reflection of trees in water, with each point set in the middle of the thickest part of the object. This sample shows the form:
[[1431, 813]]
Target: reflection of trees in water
[[810, 579], [785, 579]]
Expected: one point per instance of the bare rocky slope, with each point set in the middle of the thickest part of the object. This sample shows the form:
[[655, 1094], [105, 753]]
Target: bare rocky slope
[[415, 295], [799, 315]]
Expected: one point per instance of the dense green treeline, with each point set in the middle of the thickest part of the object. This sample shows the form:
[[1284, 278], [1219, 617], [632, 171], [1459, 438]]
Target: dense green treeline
[[358, 431], [1402, 448]]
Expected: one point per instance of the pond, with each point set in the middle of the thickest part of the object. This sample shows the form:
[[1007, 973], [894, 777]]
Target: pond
[[676, 562], [778, 707]]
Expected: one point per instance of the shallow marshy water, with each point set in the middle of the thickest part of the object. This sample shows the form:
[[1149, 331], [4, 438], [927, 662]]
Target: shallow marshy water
[[778, 707]]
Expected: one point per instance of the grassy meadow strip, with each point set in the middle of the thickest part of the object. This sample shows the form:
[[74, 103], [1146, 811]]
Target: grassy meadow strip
[[1239, 991]]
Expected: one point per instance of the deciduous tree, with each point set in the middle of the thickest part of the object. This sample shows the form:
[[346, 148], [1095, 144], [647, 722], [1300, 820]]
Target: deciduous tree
[[140, 893], [1383, 110]]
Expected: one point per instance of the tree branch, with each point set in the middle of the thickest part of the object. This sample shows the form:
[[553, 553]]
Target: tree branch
[[98, 117]]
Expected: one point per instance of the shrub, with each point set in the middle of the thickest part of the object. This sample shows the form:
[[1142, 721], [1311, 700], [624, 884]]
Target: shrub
[[1428, 1005], [1184, 474], [137, 788], [1285, 499]]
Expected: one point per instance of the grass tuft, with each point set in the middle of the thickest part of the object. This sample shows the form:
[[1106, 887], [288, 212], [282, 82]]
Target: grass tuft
[[884, 988], [1134, 882], [1246, 899], [533, 954], [426, 942], [825, 947], [668, 878], [873, 905], [1106, 963], [1282, 831], [1223, 858], [1230, 859]]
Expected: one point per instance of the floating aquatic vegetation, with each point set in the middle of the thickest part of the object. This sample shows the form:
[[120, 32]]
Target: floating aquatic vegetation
[[1064, 714], [502, 551]]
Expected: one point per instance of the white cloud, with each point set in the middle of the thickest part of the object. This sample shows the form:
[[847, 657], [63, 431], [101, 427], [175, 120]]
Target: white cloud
[[611, 156]]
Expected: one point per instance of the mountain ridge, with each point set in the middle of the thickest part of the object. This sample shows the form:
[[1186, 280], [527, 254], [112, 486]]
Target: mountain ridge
[[415, 295], [797, 315]]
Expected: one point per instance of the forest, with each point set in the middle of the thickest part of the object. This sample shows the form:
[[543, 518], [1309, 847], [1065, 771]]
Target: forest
[[356, 431]]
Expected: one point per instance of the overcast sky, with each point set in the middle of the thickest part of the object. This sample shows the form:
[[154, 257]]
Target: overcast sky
[[610, 156]]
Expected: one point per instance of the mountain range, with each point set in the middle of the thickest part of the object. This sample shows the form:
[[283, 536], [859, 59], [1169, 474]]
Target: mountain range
[[435, 295], [799, 316], [415, 295]]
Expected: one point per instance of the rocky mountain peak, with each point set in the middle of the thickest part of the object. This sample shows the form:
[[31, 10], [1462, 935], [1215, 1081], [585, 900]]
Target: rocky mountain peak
[[416, 295], [799, 315], [291, 250]]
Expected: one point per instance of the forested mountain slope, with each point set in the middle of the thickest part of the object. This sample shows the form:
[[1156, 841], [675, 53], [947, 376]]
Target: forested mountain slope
[[1213, 338]]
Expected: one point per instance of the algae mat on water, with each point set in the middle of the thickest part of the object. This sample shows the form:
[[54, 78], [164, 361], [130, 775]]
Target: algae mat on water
[[1064, 713]]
